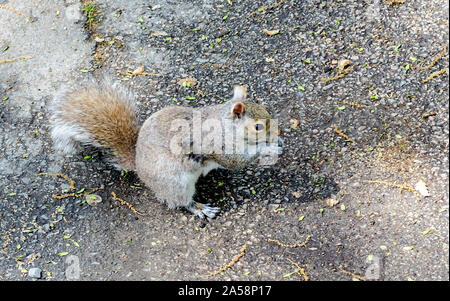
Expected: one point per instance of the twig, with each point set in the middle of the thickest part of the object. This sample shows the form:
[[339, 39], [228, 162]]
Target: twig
[[337, 131], [264, 8], [230, 264], [13, 10], [437, 58], [126, 204], [300, 270], [405, 186], [352, 104], [435, 74], [350, 273], [15, 59], [63, 196], [71, 182], [329, 79]]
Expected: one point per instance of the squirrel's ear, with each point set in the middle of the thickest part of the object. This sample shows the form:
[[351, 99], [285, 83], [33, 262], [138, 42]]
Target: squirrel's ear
[[239, 93], [238, 110]]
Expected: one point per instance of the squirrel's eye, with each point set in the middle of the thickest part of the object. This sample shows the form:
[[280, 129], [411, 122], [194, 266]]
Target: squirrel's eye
[[259, 126]]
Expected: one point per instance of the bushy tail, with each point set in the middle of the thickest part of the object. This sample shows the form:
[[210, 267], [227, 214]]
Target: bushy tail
[[96, 114]]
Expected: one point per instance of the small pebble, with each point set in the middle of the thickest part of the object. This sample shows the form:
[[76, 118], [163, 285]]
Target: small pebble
[[35, 273]]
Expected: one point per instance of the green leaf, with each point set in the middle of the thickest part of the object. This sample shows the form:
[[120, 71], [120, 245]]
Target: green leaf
[[341, 108], [343, 207], [301, 218], [84, 71], [308, 61], [427, 231], [190, 97], [301, 87], [62, 253], [289, 274]]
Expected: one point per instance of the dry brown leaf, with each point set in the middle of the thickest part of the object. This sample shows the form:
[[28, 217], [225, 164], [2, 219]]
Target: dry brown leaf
[[332, 202], [296, 194], [271, 32], [138, 70], [158, 34], [189, 80], [294, 122], [394, 2], [342, 64]]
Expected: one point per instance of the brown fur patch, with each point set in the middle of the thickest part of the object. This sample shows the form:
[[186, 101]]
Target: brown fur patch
[[109, 119]]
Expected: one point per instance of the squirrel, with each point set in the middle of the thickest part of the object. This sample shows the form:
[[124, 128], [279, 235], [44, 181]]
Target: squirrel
[[168, 152]]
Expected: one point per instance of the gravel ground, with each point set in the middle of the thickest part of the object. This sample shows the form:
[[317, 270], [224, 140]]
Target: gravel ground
[[345, 195]]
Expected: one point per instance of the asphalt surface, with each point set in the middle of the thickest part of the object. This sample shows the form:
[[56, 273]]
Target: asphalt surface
[[342, 202]]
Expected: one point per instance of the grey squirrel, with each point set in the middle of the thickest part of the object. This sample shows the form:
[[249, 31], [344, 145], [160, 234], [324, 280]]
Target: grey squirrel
[[174, 146]]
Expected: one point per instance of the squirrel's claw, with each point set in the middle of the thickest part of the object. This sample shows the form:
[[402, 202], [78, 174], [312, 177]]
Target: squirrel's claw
[[201, 210]]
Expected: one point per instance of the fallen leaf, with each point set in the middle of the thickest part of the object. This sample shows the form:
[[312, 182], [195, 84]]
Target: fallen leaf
[[296, 194], [294, 123], [421, 187], [332, 202], [189, 81], [342, 64], [158, 34], [271, 32], [138, 70]]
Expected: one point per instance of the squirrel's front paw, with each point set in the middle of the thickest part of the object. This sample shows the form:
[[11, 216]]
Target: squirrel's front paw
[[202, 210]]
